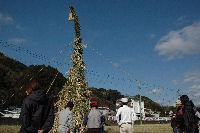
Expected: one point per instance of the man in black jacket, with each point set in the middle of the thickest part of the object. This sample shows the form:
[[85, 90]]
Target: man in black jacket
[[190, 120], [37, 113]]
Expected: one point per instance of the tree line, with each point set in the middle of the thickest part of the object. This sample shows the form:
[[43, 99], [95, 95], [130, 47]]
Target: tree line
[[14, 74]]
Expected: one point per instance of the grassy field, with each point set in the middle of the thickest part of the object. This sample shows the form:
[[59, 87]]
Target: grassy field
[[9, 129], [148, 128]]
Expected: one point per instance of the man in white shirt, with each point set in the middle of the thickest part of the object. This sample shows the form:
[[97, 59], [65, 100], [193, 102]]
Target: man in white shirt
[[127, 117]]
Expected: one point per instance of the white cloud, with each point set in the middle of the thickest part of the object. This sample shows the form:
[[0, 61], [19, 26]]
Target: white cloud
[[193, 78], [181, 18], [18, 27], [195, 87], [198, 103], [158, 101], [116, 65], [175, 82], [8, 20], [127, 60], [152, 36], [154, 91], [187, 80], [177, 44], [5, 18], [17, 40], [197, 94]]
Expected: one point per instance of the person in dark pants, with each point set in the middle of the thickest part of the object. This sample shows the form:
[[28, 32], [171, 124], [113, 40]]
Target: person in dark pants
[[190, 120], [103, 119], [179, 117], [93, 119], [173, 124], [37, 112]]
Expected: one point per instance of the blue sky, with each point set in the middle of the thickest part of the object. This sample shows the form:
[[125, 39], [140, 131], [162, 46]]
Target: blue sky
[[154, 41]]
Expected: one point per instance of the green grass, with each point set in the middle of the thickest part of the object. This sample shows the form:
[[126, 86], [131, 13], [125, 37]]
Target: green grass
[[9, 129], [147, 128]]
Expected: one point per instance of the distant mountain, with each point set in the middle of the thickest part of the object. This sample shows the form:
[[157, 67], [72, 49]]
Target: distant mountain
[[10, 72], [105, 98], [108, 98], [149, 103], [13, 75]]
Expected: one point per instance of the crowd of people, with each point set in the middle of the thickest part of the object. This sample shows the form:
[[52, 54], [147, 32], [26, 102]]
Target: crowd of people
[[37, 115], [186, 118]]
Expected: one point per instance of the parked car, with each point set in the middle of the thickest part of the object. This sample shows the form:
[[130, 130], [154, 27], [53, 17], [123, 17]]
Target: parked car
[[15, 116], [156, 119], [11, 113], [5, 114]]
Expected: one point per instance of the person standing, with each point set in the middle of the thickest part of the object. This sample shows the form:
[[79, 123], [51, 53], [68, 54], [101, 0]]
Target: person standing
[[173, 123], [66, 119], [37, 112], [179, 117], [125, 117], [93, 119], [190, 120], [103, 118]]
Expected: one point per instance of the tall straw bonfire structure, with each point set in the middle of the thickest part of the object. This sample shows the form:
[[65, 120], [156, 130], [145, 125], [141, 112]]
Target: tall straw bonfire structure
[[75, 88]]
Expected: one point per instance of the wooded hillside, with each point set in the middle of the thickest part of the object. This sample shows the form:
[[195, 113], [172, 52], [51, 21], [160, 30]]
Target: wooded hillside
[[14, 74]]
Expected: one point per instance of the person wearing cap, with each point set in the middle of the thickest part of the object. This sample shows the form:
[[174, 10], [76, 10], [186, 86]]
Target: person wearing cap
[[177, 120], [179, 117], [37, 112], [66, 119], [93, 119], [126, 120]]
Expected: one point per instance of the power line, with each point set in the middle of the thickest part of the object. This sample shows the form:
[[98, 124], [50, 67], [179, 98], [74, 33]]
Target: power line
[[51, 60], [33, 54], [145, 84]]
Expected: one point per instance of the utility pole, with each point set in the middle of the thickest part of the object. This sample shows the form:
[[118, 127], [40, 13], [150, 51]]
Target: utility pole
[[140, 103], [178, 92]]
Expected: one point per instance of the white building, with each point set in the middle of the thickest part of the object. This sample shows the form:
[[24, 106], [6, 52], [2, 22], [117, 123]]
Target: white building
[[136, 105], [104, 110]]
